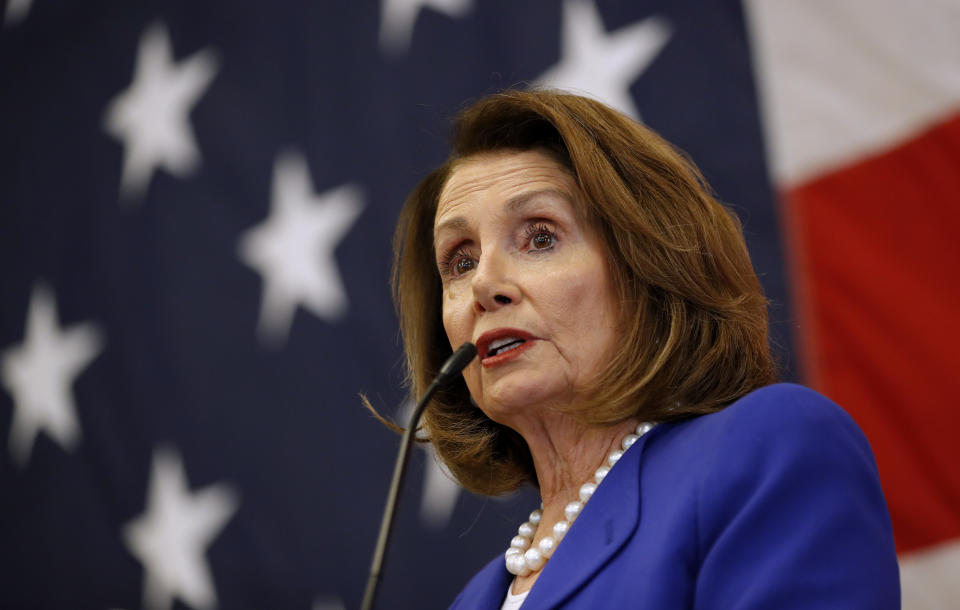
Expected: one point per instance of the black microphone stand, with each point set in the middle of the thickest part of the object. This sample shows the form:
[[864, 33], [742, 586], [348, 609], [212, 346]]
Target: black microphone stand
[[451, 368]]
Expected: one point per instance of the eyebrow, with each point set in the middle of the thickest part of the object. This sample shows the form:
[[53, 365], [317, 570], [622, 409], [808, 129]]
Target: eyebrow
[[514, 204]]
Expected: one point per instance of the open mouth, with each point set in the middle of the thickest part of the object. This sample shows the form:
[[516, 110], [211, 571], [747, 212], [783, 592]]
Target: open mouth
[[496, 345], [504, 345]]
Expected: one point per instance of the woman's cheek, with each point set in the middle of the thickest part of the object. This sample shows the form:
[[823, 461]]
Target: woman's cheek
[[472, 377], [456, 320]]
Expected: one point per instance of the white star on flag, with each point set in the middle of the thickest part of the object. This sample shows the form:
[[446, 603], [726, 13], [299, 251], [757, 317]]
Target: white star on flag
[[600, 65], [16, 12], [397, 18], [440, 490], [293, 249], [328, 602], [151, 118], [171, 537], [39, 374]]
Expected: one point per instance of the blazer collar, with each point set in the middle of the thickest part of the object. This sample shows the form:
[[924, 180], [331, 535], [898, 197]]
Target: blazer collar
[[607, 522], [486, 590]]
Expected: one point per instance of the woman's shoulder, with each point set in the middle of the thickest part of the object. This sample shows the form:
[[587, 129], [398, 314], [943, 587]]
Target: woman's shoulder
[[782, 409], [772, 427], [786, 401], [785, 474]]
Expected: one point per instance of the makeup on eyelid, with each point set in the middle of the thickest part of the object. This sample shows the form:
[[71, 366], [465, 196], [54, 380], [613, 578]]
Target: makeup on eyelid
[[448, 262]]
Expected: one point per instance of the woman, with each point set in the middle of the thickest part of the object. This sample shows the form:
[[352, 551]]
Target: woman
[[606, 292]]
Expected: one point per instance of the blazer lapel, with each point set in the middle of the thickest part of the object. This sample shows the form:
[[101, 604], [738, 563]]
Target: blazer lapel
[[486, 590], [607, 522]]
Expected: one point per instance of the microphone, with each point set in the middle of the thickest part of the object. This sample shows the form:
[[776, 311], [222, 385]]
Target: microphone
[[451, 368]]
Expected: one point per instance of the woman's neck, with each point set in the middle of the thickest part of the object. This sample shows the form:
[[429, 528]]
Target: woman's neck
[[566, 454]]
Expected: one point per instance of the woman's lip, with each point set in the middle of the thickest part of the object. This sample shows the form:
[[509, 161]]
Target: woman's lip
[[483, 345], [507, 355], [483, 341]]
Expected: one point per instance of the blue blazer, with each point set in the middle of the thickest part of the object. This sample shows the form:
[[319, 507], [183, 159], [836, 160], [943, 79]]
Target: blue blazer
[[773, 502]]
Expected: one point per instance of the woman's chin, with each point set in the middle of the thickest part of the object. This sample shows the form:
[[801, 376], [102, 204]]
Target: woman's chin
[[508, 403]]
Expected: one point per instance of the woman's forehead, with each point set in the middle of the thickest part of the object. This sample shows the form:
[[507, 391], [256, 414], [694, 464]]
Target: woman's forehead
[[504, 175]]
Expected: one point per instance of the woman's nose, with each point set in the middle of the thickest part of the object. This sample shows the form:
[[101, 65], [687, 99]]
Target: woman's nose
[[493, 284]]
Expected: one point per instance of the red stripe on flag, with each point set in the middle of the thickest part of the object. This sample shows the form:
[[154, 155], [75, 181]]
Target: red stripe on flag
[[875, 250]]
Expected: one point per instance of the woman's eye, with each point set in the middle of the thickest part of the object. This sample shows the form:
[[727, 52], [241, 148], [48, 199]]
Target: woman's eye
[[463, 265], [455, 263], [542, 240], [540, 237]]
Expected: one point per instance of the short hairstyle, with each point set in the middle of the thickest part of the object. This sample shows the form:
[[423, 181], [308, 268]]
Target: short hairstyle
[[692, 314]]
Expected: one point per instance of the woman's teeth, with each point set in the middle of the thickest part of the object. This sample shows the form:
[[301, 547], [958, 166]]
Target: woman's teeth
[[504, 345]]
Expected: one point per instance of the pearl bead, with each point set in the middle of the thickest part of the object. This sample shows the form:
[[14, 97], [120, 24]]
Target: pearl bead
[[572, 510], [517, 565], [526, 529], [560, 529], [522, 557], [586, 490], [614, 456], [546, 546], [534, 559]]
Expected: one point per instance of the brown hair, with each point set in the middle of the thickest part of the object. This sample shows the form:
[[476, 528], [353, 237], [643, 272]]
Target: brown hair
[[693, 316]]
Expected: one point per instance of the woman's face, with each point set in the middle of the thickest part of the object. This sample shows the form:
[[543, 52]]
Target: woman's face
[[524, 278]]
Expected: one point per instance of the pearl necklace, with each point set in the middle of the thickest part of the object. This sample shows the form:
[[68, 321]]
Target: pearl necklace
[[520, 557]]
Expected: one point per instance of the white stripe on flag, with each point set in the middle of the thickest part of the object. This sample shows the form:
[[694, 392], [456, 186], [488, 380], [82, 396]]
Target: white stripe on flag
[[842, 79], [929, 579]]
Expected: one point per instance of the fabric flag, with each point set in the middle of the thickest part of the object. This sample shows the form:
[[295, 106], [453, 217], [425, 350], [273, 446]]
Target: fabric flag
[[862, 109], [196, 207]]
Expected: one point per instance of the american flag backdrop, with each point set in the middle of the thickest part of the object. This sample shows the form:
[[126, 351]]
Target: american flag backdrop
[[196, 206]]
